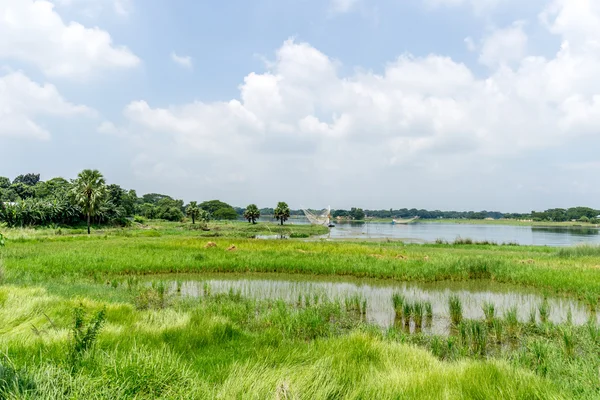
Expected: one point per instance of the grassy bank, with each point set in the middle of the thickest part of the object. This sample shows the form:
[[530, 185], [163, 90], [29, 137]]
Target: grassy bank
[[232, 348], [153, 228], [79, 257], [156, 344]]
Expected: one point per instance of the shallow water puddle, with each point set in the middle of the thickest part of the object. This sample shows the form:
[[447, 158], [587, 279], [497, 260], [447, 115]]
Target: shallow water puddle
[[378, 295]]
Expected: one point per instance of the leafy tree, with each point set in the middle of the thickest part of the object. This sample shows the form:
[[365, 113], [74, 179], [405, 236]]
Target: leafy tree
[[154, 198], [357, 214], [227, 214], [203, 216], [584, 219], [282, 212], [252, 213], [4, 182], [54, 188], [27, 179], [171, 214], [89, 192], [23, 190], [193, 211], [149, 210], [219, 210], [170, 209]]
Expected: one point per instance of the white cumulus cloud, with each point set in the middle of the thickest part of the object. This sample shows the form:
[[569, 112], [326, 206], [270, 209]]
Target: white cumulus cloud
[[22, 101], [33, 32], [504, 46], [432, 116]]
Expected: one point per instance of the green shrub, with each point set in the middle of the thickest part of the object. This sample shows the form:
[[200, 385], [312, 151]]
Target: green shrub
[[84, 335]]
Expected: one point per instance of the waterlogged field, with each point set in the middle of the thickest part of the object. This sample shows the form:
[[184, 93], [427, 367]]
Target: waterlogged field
[[140, 313]]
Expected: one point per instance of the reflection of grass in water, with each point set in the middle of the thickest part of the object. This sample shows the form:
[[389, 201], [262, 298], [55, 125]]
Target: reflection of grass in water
[[215, 345], [183, 252]]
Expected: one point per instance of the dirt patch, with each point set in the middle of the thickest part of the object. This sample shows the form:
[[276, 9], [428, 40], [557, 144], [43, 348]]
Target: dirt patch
[[210, 245], [401, 257], [527, 261], [232, 248]]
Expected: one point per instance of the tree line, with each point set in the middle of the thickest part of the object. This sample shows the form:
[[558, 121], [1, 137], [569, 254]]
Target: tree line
[[29, 201]]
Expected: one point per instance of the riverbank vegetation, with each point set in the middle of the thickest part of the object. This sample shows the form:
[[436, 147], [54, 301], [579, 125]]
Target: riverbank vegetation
[[77, 319]]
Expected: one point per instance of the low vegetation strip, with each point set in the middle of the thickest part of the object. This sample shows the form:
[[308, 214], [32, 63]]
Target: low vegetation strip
[[216, 349], [76, 322], [97, 257]]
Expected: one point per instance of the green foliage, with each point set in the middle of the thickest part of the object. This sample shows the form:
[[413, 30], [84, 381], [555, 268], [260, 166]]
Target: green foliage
[[27, 179], [252, 213], [84, 335], [282, 212], [193, 211], [13, 383], [2, 240], [455, 306], [22, 190], [357, 214], [89, 192], [225, 214], [219, 210], [4, 182]]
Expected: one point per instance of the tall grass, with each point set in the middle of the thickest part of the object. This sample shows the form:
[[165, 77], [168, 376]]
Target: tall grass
[[544, 310], [489, 311], [455, 306], [80, 257], [579, 251]]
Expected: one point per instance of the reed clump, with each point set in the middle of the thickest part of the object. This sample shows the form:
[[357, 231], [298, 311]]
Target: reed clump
[[455, 306]]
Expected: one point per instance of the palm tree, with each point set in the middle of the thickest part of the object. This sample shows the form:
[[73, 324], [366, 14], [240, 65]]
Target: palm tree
[[89, 192], [193, 211], [282, 212], [252, 213]]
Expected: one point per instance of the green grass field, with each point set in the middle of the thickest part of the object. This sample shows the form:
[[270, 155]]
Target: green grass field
[[152, 343]]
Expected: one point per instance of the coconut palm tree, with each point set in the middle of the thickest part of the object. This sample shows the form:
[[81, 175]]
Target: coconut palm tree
[[282, 212], [89, 193], [252, 213]]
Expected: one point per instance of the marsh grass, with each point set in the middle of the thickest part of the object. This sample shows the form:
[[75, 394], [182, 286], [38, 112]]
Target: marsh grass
[[418, 312], [398, 301], [455, 306], [489, 311], [579, 251], [429, 312], [407, 310], [178, 252], [154, 344], [544, 310]]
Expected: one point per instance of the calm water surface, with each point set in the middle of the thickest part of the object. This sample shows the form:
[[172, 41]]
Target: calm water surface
[[430, 232], [378, 295]]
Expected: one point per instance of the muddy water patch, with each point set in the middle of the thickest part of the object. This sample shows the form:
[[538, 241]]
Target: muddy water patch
[[378, 294]]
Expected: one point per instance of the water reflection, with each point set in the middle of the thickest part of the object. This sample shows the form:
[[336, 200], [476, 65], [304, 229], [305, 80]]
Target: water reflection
[[430, 232], [378, 296]]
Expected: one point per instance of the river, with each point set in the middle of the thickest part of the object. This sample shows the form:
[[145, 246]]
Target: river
[[422, 232]]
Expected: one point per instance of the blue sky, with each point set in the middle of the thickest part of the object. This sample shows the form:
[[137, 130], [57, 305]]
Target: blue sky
[[448, 104]]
